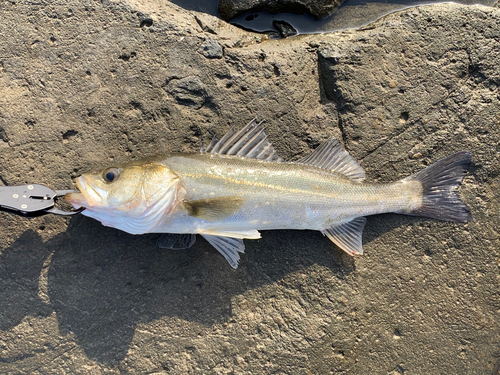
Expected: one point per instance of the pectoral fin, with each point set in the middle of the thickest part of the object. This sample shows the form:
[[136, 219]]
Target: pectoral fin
[[213, 209], [228, 247], [176, 241], [347, 236]]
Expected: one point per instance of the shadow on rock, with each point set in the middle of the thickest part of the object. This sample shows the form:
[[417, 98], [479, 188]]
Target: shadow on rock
[[377, 225], [20, 269], [103, 282]]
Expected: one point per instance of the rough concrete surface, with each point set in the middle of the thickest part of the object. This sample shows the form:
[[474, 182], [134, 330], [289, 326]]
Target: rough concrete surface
[[88, 84]]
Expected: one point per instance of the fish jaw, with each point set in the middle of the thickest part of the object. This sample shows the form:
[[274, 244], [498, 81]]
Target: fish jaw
[[77, 200], [88, 197]]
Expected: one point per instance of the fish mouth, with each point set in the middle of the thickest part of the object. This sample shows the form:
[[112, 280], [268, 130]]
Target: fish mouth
[[82, 199]]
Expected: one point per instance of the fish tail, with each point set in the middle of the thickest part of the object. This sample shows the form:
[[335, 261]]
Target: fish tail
[[440, 181]]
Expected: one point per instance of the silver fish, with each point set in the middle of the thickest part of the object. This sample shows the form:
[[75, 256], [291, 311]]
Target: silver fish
[[239, 185]]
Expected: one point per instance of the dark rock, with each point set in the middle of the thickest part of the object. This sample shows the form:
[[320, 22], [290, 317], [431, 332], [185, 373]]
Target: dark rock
[[229, 9], [188, 91], [284, 28]]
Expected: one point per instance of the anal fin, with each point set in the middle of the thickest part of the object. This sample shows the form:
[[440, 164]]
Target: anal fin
[[348, 236]]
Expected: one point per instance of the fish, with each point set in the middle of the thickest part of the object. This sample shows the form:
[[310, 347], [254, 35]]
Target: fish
[[239, 185]]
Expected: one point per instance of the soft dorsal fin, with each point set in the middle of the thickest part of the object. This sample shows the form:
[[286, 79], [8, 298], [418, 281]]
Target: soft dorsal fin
[[249, 142], [331, 156], [347, 236]]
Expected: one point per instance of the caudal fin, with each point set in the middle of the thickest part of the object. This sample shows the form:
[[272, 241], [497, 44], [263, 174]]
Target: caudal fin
[[440, 182]]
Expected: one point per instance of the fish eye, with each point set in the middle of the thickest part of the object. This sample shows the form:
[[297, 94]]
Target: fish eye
[[110, 174]]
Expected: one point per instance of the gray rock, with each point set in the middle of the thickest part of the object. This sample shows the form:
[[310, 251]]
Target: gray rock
[[211, 49], [86, 86], [229, 9], [188, 91]]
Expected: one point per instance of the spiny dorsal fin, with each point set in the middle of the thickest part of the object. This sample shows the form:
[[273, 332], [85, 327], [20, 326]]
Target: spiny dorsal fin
[[228, 247], [210, 146], [213, 209], [347, 236], [249, 142], [331, 156]]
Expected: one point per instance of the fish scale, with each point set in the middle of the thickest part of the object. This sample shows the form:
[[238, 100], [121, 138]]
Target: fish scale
[[275, 194]]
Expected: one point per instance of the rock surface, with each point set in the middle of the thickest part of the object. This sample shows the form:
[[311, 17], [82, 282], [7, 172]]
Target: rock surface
[[229, 9], [86, 86]]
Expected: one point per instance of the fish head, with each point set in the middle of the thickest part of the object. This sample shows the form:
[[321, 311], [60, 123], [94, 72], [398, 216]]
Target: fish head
[[131, 197]]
